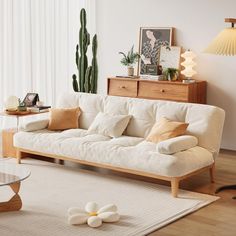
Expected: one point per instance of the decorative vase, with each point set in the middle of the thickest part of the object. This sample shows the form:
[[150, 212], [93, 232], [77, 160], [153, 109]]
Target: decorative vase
[[130, 71], [174, 77]]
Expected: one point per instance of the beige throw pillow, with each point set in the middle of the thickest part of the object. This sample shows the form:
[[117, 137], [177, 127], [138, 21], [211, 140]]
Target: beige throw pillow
[[64, 118], [165, 129], [109, 125]]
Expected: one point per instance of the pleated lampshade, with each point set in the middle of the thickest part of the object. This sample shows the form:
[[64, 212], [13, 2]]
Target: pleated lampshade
[[225, 42]]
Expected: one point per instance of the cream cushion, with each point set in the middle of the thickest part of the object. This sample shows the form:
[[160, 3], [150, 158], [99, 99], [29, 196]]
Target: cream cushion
[[109, 125], [64, 118], [165, 129], [35, 125], [177, 144]]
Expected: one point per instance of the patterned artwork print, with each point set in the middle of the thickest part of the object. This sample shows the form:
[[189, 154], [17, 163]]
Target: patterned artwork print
[[151, 39]]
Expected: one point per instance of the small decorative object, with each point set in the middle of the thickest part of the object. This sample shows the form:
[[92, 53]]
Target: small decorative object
[[188, 66], [152, 69], [153, 77], [87, 75], [150, 41], [31, 99], [159, 70], [92, 215], [171, 74], [12, 103], [129, 60], [22, 106], [170, 57]]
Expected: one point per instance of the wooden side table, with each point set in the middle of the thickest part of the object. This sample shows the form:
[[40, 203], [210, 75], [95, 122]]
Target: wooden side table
[[8, 149]]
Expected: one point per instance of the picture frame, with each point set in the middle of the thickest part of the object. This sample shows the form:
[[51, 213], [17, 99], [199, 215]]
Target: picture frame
[[31, 99], [170, 57], [150, 41]]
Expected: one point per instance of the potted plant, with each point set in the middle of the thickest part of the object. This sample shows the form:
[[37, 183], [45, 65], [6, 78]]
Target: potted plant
[[129, 60], [171, 74]]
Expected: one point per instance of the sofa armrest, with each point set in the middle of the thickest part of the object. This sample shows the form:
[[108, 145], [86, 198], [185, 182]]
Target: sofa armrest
[[177, 144], [35, 125]]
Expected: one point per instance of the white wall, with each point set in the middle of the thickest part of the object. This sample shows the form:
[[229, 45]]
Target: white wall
[[196, 23]]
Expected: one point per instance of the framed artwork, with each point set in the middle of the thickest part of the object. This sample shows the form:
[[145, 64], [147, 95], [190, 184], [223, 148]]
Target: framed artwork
[[31, 99], [170, 57], [150, 41]]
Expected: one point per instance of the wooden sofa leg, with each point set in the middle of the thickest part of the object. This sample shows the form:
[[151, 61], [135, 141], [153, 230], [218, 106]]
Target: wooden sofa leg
[[212, 173], [18, 156], [174, 187]]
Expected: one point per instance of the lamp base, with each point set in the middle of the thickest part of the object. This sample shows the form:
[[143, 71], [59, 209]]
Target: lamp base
[[226, 187]]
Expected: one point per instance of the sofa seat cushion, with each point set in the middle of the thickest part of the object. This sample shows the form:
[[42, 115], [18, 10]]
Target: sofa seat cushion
[[125, 151]]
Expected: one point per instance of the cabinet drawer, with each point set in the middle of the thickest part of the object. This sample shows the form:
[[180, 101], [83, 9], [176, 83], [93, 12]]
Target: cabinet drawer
[[123, 88], [177, 92]]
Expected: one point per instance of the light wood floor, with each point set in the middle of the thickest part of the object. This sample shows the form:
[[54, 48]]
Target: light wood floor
[[217, 219]]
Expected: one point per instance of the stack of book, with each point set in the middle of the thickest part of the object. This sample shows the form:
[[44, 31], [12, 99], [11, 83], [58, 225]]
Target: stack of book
[[38, 109]]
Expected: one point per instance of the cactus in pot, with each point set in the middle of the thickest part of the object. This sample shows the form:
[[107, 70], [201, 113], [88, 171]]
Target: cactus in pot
[[87, 76]]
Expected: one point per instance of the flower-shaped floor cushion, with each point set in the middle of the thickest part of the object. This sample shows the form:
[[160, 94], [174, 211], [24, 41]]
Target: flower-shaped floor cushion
[[92, 215]]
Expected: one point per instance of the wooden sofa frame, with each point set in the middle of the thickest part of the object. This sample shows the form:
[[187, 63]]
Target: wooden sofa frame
[[174, 180]]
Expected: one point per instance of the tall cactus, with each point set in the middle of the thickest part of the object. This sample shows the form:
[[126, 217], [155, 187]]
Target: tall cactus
[[74, 78], [94, 72], [84, 41], [75, 83], [87, 76], [87, 83]]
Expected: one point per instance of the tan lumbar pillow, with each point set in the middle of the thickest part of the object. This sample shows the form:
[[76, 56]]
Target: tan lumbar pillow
[[165, 129], [64, 118]]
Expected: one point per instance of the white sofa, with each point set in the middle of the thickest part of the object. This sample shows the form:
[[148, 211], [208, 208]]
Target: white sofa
[[130, 152]]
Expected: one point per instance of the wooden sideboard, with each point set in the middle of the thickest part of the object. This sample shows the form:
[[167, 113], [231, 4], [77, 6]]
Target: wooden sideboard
[[153, 89]]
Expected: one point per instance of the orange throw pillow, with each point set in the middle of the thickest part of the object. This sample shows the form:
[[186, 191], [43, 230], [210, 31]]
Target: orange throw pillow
[[64, 118], [166, 129]]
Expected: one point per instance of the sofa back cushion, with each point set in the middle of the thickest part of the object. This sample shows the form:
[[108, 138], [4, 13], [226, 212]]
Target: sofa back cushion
[[205, 121]]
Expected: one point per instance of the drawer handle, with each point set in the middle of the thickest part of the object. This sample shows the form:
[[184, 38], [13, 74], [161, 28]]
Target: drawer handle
[[162, 90], [122, 87]]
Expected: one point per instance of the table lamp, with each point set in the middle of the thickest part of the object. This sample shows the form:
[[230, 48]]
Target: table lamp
[[188, 64], [225, 44]]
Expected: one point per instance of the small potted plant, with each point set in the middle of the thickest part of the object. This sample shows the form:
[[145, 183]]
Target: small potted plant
[[129, 60], [171, 74]]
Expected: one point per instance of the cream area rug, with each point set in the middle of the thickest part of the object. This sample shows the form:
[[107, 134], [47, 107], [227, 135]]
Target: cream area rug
[[52, 189]]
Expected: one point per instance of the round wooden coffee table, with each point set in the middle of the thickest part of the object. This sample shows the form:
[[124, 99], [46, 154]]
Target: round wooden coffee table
[[12, 175]]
